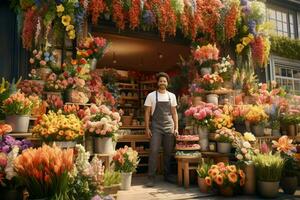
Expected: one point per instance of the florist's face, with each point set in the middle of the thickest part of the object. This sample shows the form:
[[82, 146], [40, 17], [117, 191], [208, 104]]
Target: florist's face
[[162, 83]]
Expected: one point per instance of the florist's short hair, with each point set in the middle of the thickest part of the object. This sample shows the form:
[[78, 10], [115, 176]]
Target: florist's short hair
[[162, 74]]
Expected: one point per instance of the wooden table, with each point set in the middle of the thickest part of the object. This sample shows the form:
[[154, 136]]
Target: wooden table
[[185, 164]]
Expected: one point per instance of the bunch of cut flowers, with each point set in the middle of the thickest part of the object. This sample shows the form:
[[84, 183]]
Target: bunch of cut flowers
[[225, 135], [17, 104], [126, 159], [211, 81], [206, 53], [225, 68], [92, 47]]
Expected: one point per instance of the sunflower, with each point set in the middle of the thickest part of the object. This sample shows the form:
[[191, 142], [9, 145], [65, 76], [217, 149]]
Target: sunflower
[[208, 181], [65, 20], [219, 180], [232, 177]]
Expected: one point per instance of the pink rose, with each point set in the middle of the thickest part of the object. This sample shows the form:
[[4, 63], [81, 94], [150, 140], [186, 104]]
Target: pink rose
[[94, 109], [43, 63]]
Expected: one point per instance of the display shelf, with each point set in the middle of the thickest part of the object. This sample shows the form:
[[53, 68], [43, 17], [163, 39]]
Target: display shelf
[[129, 98], [79, 104], [20, 135], [148, 82], [219, 91], [187, 140], [129, 89], [132, 127], [187, 157], [187, 149]]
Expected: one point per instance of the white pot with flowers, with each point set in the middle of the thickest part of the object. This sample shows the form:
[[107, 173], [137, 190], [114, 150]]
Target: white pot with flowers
[[224, 138]]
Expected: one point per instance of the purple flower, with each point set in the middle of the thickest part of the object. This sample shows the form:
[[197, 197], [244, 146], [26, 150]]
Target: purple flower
[[252, 26], [246, 10], [8, 142], [97, 197], [148, 17]]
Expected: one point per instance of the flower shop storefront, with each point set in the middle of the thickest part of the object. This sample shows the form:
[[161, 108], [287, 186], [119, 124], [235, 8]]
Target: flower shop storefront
[[75, 127]]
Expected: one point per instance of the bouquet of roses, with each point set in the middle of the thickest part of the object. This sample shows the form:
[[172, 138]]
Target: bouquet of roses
[[55, 83], [211, 81], [59, 127], [45, 171], [206, 53], [42, 59], [29, 87], [224, 175], [126, 159], [92, 47], [245, 151], [256, 114], [17, 104], [225, 135], [101, 121], [203, 114]]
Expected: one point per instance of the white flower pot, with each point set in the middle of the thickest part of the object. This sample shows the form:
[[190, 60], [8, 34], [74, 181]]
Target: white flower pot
[[268, 189], [203, 135], [93, 64], [212, 98], [19, 123], [126, 180], [205, 70], [103, 145], [223, 147], [65, 144]]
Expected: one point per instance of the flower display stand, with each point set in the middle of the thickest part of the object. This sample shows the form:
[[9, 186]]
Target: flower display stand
[[186, 164], [106, 159]]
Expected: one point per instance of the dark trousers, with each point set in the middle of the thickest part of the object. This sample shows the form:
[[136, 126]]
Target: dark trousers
[[168, 140]]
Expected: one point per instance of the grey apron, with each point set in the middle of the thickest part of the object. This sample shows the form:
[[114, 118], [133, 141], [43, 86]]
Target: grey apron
[[162, 127]]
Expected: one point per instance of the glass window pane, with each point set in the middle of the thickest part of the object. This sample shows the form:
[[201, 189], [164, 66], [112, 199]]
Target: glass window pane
[[278, 81], [297, 85], [278, 15], [279, 26], [283, 72], [284, 17], [289, 73], [291, 18], [277, 71], [296, 74], [285, 27], [271, 13]]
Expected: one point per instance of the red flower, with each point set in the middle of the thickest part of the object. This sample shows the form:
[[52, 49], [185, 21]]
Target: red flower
[[89, 51], [78, 69], [82, 62], [96, 7]]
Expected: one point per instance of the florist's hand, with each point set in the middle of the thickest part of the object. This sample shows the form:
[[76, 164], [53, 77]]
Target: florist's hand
[[148, 133], [175, 132]]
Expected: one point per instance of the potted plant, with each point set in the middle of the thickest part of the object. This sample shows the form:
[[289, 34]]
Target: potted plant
[[17, 109], [225, 178], [289, 181], [206, 56], [257, 118], [238, 114], [93, 48], [102, 123], [44, 179], [125, 161], [202, 116], [268, 169], [62, 129], [244, 153], [111, 180], [224, 138], [202, 172]]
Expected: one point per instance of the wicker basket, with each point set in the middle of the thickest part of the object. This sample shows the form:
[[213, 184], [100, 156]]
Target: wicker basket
[[113, 189]]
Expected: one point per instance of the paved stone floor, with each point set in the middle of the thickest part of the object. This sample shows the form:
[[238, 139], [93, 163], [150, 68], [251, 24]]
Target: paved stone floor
[[167, 191]]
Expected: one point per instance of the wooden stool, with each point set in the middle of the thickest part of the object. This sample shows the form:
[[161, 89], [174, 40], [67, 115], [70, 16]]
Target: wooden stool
[[106, 159], [217, 157], [186, 164]]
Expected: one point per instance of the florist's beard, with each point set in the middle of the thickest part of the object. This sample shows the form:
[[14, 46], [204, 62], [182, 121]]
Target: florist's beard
[[162, 87]]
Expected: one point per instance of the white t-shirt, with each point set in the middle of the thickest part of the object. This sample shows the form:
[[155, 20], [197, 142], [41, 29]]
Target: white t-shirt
[[151, 99]]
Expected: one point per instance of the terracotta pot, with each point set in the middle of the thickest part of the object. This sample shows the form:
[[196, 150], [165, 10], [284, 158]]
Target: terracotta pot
[[249, 100], [291, 130], [268, 189], [249, 187], [44, 72], [227, 191], [196, 100], [289, 184], [202, 186]]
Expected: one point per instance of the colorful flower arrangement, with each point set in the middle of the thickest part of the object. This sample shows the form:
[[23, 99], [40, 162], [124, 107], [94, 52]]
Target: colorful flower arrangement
[[126, 159], [7, 143], [225, 135], [196, 90], [41, 59], [5, 128], [225, 68], [206, 53], [29, 87], [211, 81], [45, 171], [59, 127], [223, 175], [66, 20], [93, 47], [244, 150], [34, 75], [55, 102], [256, 114], [231, 18], [223, 121], [244, 42], [39, 106], [17, 104], [204, 114], [101, 121], [239, 112], [7, 173], [55, 83]]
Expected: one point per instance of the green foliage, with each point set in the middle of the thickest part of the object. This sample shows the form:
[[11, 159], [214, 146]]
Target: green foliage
[[285, 47], [290, 119], [81, 188], [202, 169], [111, 178], [268, 167], [17, 108]]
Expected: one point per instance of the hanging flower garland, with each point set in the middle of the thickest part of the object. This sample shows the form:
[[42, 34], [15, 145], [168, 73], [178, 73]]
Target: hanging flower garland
[[134, 14], [96, 7], [258, 51], [118, 14], [29, 27], [231, 19]]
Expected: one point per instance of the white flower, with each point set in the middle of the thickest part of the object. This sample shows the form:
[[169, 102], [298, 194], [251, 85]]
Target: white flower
[[239, 156], [9, 169], [246, 145], [244, 151], [248, 156]]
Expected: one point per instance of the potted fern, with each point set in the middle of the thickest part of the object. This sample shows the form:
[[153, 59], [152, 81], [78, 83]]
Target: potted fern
[[268, 169]]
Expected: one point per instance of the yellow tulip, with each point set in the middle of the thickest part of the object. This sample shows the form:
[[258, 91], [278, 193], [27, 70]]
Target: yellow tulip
[[65, 20]]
